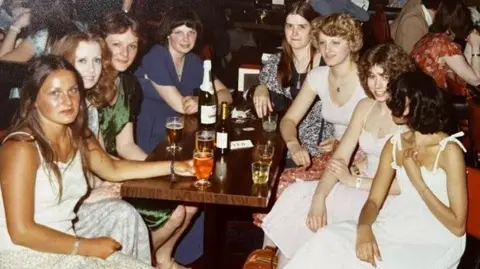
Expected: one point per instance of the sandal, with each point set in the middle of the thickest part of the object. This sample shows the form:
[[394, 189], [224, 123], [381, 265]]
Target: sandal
[[262, 259]]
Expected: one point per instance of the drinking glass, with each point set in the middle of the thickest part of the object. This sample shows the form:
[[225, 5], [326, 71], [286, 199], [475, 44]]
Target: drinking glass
[[205, 140], [174, 128], [260, 172], [264, 153], [269, 122], [203, 166]]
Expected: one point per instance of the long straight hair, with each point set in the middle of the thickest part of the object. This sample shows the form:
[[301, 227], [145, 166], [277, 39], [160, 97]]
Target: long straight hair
[[27, 119], [305, 10]]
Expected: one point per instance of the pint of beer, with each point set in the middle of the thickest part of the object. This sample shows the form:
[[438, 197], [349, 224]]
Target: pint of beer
[[174, 128], [203, 166], [205, 140]]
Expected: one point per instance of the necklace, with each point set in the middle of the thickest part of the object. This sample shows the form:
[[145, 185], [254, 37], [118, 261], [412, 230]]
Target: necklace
[[345, 81]]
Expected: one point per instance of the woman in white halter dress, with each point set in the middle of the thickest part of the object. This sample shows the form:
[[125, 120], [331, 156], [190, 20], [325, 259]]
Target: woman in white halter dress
[[424, 226]]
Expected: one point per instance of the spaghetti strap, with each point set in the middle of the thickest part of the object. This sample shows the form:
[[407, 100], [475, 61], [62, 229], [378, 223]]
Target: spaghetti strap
[[443, 143], [368, 113], [15, 133], [396, 141]]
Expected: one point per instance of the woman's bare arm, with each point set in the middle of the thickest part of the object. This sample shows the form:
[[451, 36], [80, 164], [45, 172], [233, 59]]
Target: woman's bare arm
[[380, 187], [19, 162], [468, 72], [113, 170], [171, 95], [295, 113], [126, 146], [452, 216]]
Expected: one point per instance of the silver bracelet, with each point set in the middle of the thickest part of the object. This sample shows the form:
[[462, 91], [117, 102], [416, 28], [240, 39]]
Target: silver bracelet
[[76, 245], [358, 182]]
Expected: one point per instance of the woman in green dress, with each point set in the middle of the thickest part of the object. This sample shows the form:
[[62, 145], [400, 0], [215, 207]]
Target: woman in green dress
[[117, 117]]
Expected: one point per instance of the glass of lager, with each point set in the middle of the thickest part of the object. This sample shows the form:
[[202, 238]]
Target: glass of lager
[[203, 166], [174, 128]]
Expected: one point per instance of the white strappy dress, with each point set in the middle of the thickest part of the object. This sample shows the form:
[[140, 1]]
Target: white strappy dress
[[285, 224], [407, 233], [57, 215]]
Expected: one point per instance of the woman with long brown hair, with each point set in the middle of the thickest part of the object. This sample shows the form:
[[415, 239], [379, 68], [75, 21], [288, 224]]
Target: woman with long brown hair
[[118, 115], [43, 161], [280, 81], [102, 213]]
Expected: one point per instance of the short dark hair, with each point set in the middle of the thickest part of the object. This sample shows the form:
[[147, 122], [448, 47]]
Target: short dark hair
[[178, 16], [431, 4], [118, 22], [391, 58], [454, 16], [429, 109]]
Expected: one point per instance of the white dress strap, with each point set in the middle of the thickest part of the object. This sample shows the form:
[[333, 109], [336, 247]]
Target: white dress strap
[[15, 133], [443, 143], [368, 113], [396, 140]]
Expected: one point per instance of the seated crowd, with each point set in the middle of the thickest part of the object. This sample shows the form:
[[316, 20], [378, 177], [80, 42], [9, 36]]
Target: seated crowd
[[89, 117]]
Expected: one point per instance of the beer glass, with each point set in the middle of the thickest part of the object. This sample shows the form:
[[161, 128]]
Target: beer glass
[[269, 122], [205, 139], [263, 153], [260, 172], [203, 166], [174, 128]]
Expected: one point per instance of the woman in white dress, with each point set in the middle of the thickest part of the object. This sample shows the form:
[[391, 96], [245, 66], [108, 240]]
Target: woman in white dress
[[108, 215], [341, 194], [42, 165], [424, 226]]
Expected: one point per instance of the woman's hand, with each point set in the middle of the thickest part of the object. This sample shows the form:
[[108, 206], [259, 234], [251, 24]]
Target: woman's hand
[[474, 39], [190, 104], [317, 216], [261, 100], [340, 170], [299, 155], [101, 247], [366, 245], [327, 145], [184, 168], [412, 167]]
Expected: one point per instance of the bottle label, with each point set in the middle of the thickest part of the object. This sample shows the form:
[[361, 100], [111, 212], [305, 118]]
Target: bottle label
[[208, 114], [222, 140]]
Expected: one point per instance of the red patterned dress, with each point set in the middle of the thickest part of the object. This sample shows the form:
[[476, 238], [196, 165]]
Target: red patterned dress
[[427, 53]]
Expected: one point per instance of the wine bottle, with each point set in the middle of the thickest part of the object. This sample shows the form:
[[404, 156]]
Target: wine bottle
[[222, 136], [207, 102]]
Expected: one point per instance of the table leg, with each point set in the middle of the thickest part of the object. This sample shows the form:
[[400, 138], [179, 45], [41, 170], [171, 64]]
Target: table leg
[[214, 236]]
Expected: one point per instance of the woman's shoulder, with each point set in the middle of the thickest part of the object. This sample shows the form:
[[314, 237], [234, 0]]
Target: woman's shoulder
[[20, 145], [319, 70]]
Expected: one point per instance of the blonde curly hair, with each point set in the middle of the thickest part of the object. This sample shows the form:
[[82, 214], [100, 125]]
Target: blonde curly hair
[[339, 25]]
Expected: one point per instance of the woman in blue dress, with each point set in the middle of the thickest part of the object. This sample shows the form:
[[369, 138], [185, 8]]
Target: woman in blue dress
[[168, 74]]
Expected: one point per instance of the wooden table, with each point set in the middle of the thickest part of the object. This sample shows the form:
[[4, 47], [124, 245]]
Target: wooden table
[[233, 188]]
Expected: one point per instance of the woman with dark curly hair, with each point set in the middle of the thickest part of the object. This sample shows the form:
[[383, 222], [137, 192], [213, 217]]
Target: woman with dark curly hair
[[340, 192], [423, 226]]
